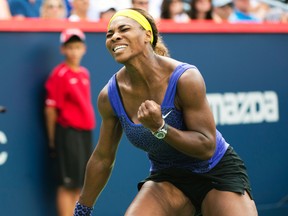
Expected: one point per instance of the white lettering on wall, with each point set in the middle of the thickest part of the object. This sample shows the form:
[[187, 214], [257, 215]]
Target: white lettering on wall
[[244, 107], [3, 155]]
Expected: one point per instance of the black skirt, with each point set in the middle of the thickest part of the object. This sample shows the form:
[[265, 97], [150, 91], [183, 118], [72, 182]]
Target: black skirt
[[228, 175]]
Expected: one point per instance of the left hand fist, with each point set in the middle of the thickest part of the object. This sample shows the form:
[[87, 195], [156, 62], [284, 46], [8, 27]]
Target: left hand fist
[[150, 115]]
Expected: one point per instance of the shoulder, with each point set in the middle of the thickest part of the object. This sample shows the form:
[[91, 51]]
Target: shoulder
[[59, 70], [103, 103], [85, 70], [169, 61], [103, 95], [191, 78], [179, 66], [192, 74], [191, 84]]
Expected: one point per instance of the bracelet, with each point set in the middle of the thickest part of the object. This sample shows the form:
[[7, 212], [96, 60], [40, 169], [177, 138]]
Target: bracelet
[[81, 210]]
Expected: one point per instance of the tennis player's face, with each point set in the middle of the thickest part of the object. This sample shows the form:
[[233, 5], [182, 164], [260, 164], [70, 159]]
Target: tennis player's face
[[125, 39]]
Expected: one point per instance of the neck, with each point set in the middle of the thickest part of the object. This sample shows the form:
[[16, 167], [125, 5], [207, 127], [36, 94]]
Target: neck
[[73, 66], [201, 16], [143, 70], [80, 14]]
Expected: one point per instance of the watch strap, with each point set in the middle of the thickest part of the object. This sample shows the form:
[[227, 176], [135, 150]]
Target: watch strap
[[161, 127]]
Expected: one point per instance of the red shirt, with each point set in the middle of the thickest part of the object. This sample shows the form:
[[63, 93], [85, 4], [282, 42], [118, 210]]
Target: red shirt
[[70, 93]]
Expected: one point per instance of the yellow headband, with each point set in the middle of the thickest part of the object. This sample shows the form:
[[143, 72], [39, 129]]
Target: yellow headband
[[135, 15]]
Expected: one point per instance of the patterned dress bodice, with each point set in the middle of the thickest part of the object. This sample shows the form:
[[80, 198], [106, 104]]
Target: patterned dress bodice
[[161, 154]]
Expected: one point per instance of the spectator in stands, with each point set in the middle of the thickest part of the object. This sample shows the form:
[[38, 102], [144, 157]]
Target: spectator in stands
[[68, 7], [107, 10], [174, 10], [202, 10], [142, 4], [24, 8], [276, 14], [4, 10], [242, 12], [284, 17], [79, 10], [53, 9], [93, 13], [97, 7], [259, 9], [223, 9], [154, 9]]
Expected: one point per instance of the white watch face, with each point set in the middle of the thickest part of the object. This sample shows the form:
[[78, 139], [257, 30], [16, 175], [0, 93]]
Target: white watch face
[[160, 134]]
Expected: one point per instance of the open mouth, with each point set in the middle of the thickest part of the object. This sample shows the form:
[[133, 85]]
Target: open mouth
[[117, 48]]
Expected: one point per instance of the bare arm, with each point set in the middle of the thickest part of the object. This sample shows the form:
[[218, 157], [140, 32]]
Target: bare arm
[[51, 117], [199, 140], [101, 162]]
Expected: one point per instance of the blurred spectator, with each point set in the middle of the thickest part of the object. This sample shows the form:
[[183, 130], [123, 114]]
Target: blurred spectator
[[107, 10], [174, 10], [142, 4], [277, 11], [242, 12], [79, 10], [276, 14], [24, 8], [68, 7], [153, 8], [4, 10], [259, 9], [93, 13], [97, 7], [223, 9], [53, 9], [284, 17], [107, 14], [202, 10]]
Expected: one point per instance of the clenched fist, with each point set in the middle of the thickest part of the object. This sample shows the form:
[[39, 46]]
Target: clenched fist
[[150, 115]]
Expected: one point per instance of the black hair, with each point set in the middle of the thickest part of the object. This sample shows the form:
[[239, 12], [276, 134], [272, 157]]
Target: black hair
[[158, 44], [73, 39], [193, 11]]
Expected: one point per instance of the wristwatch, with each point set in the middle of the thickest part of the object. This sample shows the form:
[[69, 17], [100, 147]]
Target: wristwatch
[[162, 131]]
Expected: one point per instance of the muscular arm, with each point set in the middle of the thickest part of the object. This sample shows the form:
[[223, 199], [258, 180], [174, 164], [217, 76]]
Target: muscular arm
[[101, 162], [199, 140]]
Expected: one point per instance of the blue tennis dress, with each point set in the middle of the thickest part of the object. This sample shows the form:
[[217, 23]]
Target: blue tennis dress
[[160, 153]]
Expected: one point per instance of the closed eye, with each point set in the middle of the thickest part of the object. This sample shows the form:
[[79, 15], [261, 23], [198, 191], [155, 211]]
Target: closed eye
[[122, 28], [109, 35]]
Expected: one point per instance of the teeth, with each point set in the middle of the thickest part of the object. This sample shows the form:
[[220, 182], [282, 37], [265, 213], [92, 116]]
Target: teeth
[[119, 47]]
